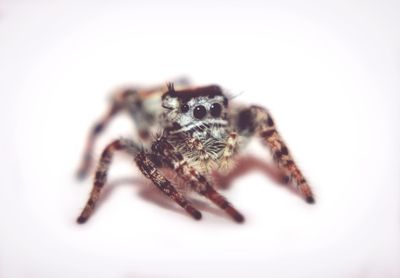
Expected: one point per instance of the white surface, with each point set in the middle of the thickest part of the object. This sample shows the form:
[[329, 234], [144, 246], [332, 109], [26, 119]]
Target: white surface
[[329, 73]]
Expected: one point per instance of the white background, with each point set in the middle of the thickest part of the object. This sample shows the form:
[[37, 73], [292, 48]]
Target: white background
[[328, 72]]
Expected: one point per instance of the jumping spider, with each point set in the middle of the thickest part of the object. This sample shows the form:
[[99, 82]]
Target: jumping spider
[[201, 132]]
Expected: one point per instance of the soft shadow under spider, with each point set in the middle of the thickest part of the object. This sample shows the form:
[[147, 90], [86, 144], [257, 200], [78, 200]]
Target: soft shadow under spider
[[149, 192], [243, 165], [246, 164]]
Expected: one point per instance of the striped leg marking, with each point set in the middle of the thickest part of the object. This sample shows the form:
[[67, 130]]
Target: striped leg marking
[[149, 169], [271, 138], [101, 174], [210, 193], [200, 184]]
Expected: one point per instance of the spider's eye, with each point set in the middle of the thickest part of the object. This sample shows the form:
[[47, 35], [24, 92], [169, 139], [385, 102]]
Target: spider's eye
[[184, 108], [199, 112], [215, 110]]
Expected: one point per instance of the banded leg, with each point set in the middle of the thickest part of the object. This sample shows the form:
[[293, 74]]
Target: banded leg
[[101, 173], [229, 151], [257, 119], [198, 182], [149, 169], [87, 158], [203, 187]]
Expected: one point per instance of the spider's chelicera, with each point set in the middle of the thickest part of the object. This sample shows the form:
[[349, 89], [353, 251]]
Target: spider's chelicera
[[201, 132]]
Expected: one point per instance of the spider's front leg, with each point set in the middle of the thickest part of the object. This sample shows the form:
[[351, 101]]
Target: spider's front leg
[[197, 181], [149, 169], [257, 120], [101, 173], [200, 184]]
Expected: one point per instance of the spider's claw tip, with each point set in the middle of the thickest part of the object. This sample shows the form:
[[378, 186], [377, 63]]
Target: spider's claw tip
[[197, 215], [81, 220], [194, 212], [239, 218], [310, 200]]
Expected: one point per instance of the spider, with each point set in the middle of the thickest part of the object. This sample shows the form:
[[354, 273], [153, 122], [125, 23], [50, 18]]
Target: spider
[[201, 132]]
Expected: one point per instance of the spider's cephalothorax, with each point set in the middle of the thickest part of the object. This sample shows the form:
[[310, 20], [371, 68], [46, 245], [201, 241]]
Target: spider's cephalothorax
[[200, 133], [197, 124]]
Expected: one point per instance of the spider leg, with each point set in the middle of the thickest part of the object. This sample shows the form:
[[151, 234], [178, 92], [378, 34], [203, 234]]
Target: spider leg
[[130, 100], [210, 193], [197, 181], [87, 158], [200, 184], [229, 151], [149, 169], [257, 120], [101, 173]]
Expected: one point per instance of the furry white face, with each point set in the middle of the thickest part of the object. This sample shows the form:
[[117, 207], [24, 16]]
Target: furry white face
[[196, 110]]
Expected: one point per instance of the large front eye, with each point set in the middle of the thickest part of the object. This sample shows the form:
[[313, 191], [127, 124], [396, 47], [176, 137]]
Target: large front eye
[[215, 110], [199, 112]]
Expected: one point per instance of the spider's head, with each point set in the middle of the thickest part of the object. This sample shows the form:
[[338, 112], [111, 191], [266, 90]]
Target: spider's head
[[195, 108]]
